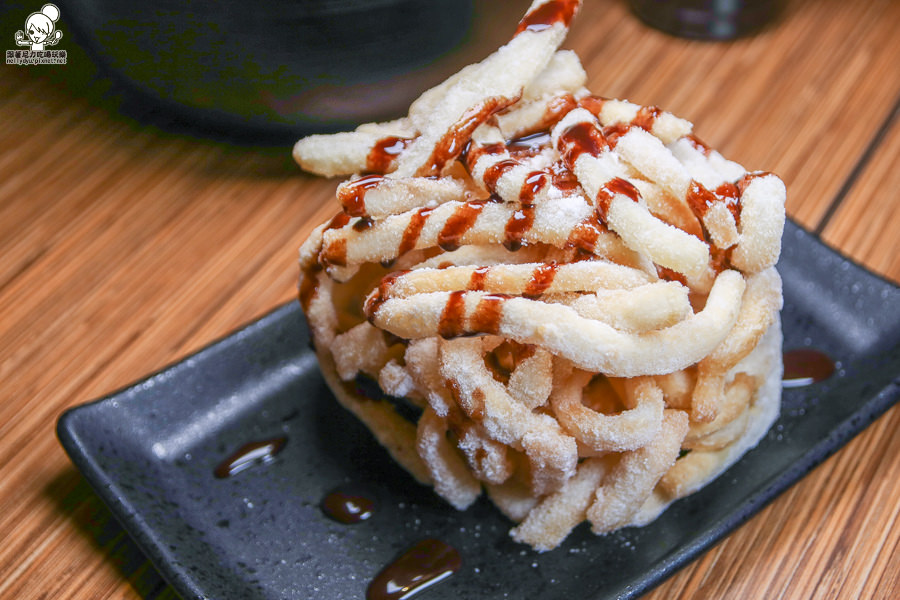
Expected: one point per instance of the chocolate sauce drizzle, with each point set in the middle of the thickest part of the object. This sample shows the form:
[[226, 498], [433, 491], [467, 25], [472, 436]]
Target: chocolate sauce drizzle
[[584, 236], [309, 285], [546, 15], [454, 142], [581, 138], [487, 315], [557, 108], [476, 281], [541, 280], [352, 195], [413, 230], [452, 320], [592, 104], [384, 152], [379, 296], [485, 318], [646, 117], [700, 199], [336, 252], [363, 223], [522, 220], [699, 144], [425, 564], [528, 145], [493, 173], [458, 224], [609, 190], [612, 133]]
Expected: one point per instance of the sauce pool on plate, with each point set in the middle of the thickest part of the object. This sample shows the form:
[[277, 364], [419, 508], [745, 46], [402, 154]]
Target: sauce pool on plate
[[348, 506], [248, 455], [806, 366], [420, 567]]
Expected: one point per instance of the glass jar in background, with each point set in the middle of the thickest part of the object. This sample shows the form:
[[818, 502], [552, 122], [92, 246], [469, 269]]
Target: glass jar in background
[[707, 19]]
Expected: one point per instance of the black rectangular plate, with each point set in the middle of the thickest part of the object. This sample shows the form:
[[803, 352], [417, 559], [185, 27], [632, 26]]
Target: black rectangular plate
[[150, 451]]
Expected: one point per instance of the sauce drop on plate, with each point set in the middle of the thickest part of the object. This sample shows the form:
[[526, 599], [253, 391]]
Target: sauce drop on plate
[[420, 567], [805, 366], [248, 455], [348, 506]]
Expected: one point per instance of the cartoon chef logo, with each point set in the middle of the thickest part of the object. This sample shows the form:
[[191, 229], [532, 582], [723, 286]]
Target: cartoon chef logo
[[40, 29], [39, 34]]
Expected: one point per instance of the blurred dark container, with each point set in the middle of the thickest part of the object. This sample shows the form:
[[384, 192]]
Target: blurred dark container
[[707, 19], [286, 67]]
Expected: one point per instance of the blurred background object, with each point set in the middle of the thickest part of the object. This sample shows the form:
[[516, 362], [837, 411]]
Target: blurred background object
[[707, 19], [279, 69]]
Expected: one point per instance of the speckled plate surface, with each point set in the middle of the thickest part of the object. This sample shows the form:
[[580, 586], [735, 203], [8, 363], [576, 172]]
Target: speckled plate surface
[[150, 452]]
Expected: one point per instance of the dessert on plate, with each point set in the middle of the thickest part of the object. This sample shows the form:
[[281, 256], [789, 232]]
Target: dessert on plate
[[568, 303]]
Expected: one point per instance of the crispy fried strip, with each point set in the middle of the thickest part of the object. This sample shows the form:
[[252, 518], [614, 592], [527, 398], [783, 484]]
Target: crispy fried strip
[[377, 196], [736, 398], [643, 308], [474, 255], [548, 523], [563, 73], [551, 454], [452, 480], [666, 207], [759, 308], [648, 155], [677, 388], [588, 275], [627, 430], [589, 344], [724, 436], [664, 125], [396, 380], [705, 165], [531, 382], [336, 153], [361, 349], [762, 221], [422, 363], [488, 459], [636, 474]]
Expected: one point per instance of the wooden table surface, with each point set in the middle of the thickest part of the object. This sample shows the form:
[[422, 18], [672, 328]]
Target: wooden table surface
[[126, 246]]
